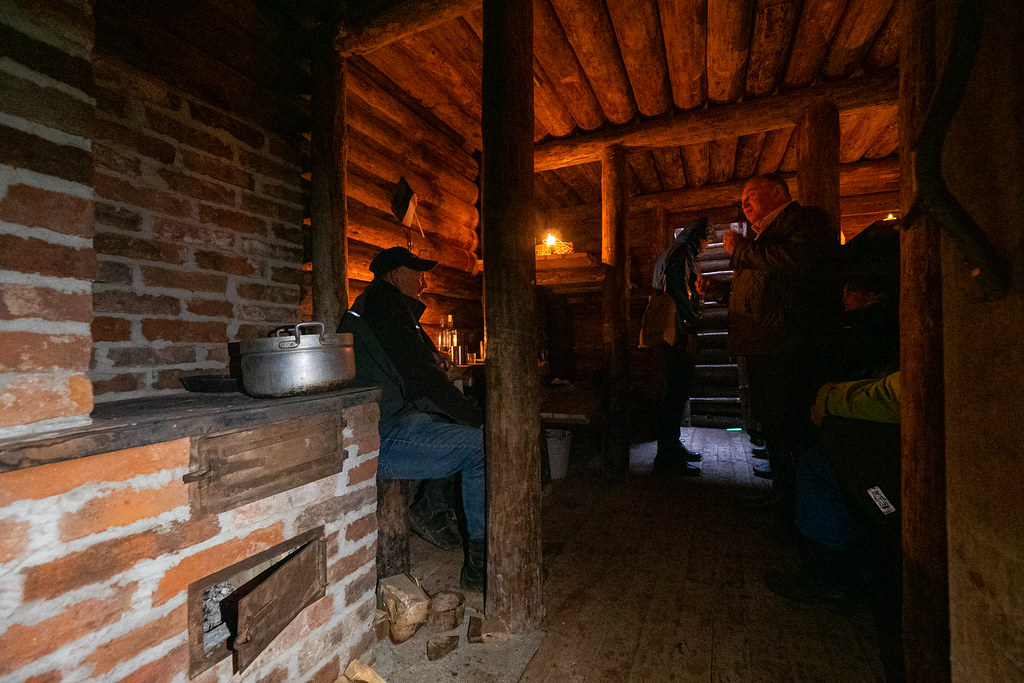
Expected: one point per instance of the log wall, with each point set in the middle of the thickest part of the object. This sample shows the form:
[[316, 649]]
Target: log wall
[[390, 137]]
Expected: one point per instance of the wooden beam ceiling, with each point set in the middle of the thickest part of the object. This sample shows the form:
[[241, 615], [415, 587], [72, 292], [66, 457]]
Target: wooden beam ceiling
[[864, 178], [398, 22], [857, 95]]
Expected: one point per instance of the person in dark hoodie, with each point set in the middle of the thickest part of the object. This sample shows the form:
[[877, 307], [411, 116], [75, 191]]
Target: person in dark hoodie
[[677, 272], [428, 429]]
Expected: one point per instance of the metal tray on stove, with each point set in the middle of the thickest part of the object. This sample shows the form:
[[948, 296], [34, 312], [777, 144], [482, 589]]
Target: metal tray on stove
[[211, 384]]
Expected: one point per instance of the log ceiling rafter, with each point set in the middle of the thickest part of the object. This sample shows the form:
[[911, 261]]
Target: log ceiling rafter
[[398, 22], [728, 128], [859, 95], [862, 178]]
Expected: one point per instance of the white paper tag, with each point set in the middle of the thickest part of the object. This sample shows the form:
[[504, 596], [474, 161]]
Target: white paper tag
[[881, 501]]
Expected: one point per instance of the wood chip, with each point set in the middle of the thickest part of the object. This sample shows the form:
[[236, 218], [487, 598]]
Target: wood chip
[[439, 646], [357, 672], [447, 611], [381, 625]]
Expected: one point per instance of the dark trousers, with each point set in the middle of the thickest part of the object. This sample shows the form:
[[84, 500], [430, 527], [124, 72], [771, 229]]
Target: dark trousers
[[678, 369], [782, 387]]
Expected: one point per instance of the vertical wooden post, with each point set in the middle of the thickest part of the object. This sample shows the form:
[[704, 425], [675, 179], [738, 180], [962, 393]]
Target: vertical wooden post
[[615, 257], [922, 402], [818, 174], [393, 497], [663, 238], [328, 204], [512, 434]]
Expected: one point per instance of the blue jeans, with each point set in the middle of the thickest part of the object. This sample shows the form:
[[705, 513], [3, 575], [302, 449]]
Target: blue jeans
[[423, 446], [824, 512]]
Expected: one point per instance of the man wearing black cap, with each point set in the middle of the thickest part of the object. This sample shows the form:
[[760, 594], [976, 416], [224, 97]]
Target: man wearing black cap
[[428, 428]]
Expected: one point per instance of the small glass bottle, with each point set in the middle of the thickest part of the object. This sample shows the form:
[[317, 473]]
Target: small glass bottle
[[446, 339]]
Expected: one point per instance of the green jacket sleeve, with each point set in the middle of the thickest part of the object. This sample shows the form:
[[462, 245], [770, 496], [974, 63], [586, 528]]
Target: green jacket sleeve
[[875, 400]]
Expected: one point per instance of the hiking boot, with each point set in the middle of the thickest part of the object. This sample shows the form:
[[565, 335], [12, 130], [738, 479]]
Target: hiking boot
[[826, 577], [441, 528], [474, 569], [692, 456], [432, 518], [676, 450], [763, 469]]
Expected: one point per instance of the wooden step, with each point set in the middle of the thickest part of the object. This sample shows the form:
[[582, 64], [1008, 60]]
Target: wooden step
[[716, 421], [715, 318], [713, 357], [716, 265], [724, 406], [712, 340], [717, 374]]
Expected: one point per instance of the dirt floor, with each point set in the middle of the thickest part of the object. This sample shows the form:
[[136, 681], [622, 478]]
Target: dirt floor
[[648, 580]]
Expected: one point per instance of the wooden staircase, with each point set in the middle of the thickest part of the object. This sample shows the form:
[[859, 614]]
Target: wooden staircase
[[715, 399]]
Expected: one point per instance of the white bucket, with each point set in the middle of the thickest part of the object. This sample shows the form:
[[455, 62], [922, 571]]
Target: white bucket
[[559, 441]]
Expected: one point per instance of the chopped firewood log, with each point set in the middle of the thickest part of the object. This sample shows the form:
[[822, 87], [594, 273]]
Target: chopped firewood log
[[381, 625], [439, 646], [447, 610], [357, 672], [405, 603], [481, 631]]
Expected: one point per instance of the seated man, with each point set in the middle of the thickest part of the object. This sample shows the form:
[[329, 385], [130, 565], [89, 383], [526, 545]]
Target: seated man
[[847, 491], [428, 429]]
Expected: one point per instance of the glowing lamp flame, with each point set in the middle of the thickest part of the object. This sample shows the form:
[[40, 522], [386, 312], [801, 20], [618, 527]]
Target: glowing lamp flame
[[550, 241], [890, 217]]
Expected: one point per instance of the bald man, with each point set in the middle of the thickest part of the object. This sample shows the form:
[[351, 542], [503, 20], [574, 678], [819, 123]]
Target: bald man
[[783, 311]]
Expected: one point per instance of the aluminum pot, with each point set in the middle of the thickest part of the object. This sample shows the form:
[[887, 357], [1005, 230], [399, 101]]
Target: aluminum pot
[[289, 363]]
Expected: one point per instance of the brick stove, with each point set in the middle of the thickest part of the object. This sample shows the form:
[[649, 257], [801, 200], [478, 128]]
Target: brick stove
[[109, 536]]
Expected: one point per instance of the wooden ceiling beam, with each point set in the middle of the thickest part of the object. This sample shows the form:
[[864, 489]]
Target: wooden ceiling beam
[[863, 178], [404, 19], [862, 94]]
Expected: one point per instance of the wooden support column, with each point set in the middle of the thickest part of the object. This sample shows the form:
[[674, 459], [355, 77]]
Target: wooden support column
[[512, 436], [662, 240], [818, 175], [328, 203], [926, 635], [615, 257]]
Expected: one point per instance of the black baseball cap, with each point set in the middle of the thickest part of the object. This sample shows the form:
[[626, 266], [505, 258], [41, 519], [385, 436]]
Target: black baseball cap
[[395, 257]]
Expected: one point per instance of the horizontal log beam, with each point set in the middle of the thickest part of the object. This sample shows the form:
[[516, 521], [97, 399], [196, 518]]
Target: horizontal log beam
[[866, 177], [396, 23], [731, 120]]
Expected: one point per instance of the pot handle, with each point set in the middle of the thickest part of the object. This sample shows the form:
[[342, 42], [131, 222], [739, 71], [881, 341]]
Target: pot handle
[[298, 333]]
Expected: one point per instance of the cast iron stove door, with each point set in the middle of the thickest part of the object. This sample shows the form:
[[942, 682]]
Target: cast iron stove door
[[264, 612]]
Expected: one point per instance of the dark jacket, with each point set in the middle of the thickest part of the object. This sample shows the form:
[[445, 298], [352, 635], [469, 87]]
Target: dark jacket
[[393, 351], [786, 295], [681, 271]]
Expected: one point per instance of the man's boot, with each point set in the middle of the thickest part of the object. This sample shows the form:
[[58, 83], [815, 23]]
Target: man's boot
[[474, 570], [431, 517], [826, 577]]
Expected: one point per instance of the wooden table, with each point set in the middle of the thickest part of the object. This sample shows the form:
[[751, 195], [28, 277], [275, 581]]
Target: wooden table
[[569, 406]]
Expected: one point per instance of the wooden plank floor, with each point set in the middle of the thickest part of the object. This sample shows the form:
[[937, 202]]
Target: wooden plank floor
[[651, 581], [661, 581]]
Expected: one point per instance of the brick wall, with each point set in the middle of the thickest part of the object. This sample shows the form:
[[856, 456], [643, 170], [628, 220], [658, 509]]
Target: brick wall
[[96, 555], [46, 209], [198, 233]]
